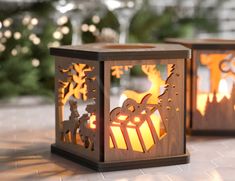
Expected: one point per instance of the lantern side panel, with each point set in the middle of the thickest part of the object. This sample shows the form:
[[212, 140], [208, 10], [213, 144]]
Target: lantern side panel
[[77, 110], [214, 86], [144, 109]]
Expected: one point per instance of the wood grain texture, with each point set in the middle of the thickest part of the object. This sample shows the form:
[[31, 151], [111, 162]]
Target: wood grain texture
[[62, 62], [218, 115], [203, 44], [174, 142], [122, 165], [106, 52], [102, 57]]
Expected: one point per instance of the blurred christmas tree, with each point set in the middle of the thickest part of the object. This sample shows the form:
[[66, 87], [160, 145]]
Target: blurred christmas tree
[[26, 33], [152, 25], [26, 67]]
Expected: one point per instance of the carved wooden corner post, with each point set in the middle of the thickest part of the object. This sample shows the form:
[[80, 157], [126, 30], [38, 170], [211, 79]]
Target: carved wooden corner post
[[211, 86], [121, 106]]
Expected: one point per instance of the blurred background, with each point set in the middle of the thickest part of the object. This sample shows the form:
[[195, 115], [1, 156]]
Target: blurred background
[[27, 112], [29, 27]]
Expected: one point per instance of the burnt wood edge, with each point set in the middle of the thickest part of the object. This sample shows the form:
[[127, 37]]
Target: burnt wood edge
[[103, 56], [211, 132], [123, 165]]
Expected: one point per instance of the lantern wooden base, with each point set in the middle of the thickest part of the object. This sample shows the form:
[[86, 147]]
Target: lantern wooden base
[[211, 132], [121, 165]]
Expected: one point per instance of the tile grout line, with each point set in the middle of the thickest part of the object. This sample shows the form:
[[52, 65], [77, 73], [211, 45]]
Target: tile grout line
[[168, 177], [142, 172], [102, 175], [220, 154]]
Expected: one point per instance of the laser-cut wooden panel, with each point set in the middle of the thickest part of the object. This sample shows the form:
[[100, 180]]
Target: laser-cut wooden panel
[[128, 123], [145, 124], [135, 125], [211, 86], [77, 84], [214, 107]]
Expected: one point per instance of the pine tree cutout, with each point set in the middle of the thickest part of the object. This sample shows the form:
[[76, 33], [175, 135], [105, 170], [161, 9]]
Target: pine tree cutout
[[75, 84], [170, 102]]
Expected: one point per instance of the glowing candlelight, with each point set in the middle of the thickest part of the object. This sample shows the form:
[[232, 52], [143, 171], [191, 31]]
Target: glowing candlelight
[[223, 88], [203, 97], [92, 122]]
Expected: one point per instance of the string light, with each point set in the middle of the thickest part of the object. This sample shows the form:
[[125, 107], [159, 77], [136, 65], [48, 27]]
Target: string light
[[34, 21], [2, 47], [92, 28], [62, 20], [35, 62], [26, 20], [30, 26], [17, 35], [65, 30], [130, 4], [24, 50], [3, 40], [0, 24], [57, 35], [7, 22], [14, 52], [36, 41], [8, 34], [96, 19], [32, 36], [85, 27], [54, 44]]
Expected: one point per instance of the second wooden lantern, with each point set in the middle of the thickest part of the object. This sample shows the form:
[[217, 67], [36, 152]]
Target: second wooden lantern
[[121, 106], [211, 86]]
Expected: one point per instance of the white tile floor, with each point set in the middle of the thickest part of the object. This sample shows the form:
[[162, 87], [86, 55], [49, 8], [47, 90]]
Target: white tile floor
[[27, 132]]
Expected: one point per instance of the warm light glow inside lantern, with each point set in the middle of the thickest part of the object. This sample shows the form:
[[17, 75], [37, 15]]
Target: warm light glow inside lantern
[[215, 85], [211, 86], [203, 98], [141, 125], [117, 105]]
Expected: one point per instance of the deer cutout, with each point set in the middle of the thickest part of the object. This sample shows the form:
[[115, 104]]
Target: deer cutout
[[154, 77], [212, 61], [86, 133], [69, 126]]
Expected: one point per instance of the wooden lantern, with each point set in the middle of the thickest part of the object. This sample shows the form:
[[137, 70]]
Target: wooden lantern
[[211, 86], [108, 117]]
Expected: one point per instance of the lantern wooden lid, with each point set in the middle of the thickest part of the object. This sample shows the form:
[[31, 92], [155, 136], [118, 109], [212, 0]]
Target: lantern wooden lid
[[102, 52], [219, 44]]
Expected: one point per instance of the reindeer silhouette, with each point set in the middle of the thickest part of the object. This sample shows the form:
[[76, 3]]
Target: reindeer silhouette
[[155, 78], [71, 125], [76, 123]]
